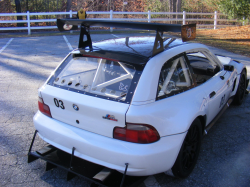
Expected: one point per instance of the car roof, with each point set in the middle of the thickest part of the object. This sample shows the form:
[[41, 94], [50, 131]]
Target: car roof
[[134, 50]]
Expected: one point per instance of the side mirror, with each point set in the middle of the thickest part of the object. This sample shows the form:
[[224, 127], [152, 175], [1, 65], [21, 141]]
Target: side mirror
[[228, 67]]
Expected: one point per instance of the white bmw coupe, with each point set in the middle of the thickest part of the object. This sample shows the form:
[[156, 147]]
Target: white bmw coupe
[[137, 104]]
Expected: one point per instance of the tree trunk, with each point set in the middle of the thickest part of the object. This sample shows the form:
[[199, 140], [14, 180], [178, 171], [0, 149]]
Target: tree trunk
[[178, 5], [27, 5], [18, 10], [170, 2], [69, 3], [172, 7]]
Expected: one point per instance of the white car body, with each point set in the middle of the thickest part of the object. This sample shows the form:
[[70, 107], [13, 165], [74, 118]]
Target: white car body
[[172, 116]]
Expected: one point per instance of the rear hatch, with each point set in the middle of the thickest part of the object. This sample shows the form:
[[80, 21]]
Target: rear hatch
[[91, 93]]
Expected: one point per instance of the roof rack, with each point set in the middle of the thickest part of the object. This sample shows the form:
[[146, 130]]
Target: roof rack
[[188, 32]]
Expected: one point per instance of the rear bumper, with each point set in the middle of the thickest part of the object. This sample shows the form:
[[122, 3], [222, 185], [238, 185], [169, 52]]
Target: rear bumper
[[143, 159]]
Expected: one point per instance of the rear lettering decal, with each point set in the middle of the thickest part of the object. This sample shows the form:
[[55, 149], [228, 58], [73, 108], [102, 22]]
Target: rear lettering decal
[[109, 117], [59, 103]]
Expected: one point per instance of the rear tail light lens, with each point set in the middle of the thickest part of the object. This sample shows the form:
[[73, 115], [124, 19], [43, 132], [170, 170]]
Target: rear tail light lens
[[43, 107], [137, 133]]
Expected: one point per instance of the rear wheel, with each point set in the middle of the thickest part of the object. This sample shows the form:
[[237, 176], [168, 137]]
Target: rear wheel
[[189, 152], [240, 94]]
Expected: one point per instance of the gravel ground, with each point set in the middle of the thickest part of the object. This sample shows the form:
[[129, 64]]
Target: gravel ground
[[25, 64]]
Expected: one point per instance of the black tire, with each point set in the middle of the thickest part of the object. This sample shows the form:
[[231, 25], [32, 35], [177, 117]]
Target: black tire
[[241, 90], [189, 151]]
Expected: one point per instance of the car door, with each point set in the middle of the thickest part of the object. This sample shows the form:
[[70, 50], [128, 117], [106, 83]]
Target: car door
[[215, 81]]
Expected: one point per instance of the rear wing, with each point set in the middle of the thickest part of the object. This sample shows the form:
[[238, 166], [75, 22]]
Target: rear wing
[[188, 32]]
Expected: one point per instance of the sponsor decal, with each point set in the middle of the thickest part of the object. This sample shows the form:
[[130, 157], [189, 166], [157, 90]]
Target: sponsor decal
[[189, 32], [67, 27], [109, 117]]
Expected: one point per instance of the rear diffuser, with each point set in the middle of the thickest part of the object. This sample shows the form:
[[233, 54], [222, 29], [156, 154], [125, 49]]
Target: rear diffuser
[[97, 174]]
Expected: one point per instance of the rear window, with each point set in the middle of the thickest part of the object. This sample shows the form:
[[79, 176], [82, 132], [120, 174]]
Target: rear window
[[107, 78]]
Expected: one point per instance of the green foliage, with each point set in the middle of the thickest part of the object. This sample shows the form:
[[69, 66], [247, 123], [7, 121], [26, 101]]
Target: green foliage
[[235, 8], [156, 6], [212, 5], [200, 5]]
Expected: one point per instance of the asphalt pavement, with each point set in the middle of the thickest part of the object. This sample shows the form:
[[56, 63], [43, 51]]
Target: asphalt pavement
[[26, 63]]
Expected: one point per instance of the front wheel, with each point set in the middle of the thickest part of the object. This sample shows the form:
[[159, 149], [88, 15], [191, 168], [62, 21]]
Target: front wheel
[[189, 152], [240, 94]]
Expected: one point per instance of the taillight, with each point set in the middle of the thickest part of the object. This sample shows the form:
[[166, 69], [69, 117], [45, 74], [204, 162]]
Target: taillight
[[137, 133], [43, 107]]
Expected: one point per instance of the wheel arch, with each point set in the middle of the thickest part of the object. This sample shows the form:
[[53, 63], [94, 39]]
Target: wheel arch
[[203, 120]]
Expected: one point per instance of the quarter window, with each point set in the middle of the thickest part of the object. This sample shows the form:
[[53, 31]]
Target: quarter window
[[203, 67], [174, 78]]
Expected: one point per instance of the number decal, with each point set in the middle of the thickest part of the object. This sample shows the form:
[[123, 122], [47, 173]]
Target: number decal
[[56, 102], [222, 101], [59, 103]]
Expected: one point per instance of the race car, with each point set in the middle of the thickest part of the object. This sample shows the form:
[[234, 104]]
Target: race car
[[140, 103]]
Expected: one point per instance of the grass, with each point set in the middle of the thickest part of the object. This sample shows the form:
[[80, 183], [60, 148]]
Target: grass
[[234, 39]]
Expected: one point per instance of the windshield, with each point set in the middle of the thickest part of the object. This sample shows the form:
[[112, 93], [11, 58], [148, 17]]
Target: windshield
[[98, 76]]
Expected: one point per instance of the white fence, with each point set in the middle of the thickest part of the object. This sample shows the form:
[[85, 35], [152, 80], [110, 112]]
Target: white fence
[[147, 16]]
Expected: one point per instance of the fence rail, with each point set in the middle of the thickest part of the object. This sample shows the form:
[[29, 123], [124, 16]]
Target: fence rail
[[181, 17]]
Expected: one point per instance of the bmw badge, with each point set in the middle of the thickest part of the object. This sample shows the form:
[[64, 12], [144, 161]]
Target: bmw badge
[[75, 107]]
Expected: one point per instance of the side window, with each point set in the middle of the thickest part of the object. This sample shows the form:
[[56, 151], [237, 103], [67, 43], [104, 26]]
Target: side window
[[203, 67], [174, 78]]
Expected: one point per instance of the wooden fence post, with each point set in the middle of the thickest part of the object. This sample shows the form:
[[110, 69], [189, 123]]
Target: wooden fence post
[[184, 18], [28, 22], [111, 17], [215, 19], [149, 16], [70, 15]]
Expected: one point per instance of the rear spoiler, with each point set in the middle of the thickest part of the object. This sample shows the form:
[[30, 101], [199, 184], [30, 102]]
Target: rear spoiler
[[188, 32]]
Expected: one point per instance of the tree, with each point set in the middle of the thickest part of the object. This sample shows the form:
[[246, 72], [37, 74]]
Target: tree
[[239, 9], [172, 5], [18, 10], [68, 5], [156, 5], [178, 5]]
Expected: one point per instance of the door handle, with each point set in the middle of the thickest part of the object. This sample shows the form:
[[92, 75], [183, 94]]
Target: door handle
[[212, 94]]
